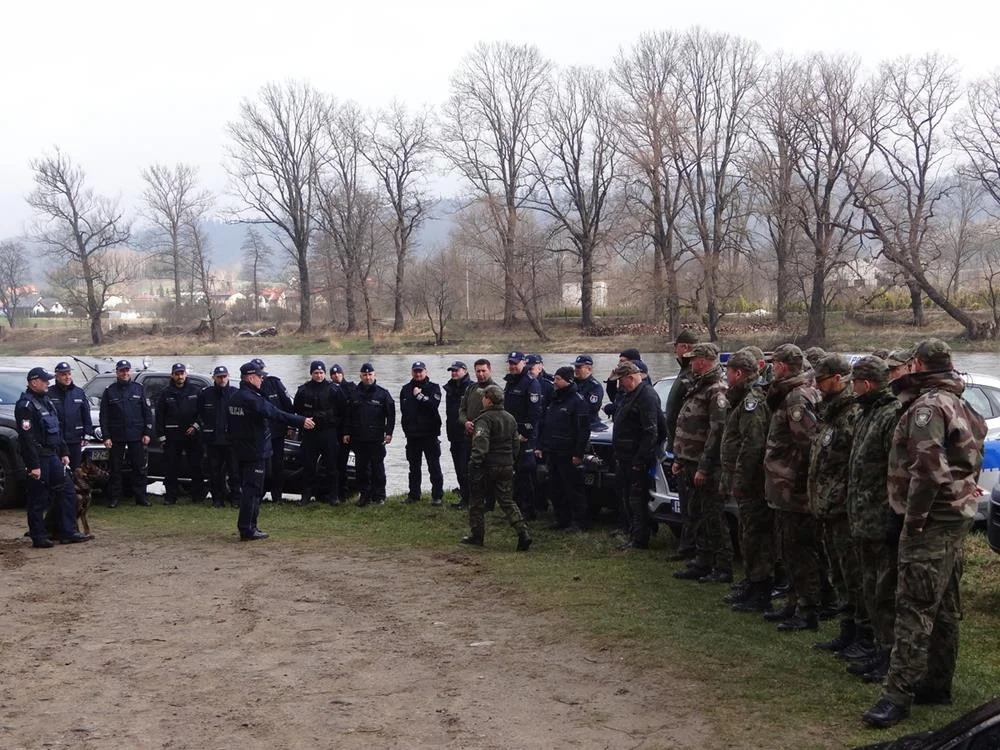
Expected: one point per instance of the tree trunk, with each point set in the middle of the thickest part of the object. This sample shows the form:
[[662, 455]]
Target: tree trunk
[[659, 304], [587, 285], [397, 323], [781, 296], [349, 302], [93, 309], [305, 292], [917, 304], [816, 330], [175, 254]]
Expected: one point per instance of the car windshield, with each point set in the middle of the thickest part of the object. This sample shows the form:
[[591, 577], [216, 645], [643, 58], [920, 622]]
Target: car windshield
[[12, 385]]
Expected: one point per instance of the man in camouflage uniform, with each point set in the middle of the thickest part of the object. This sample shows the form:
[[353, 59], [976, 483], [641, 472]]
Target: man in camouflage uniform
[[744, 440], [876, 540], [899, 362], [700, 423], [813, 355], [829, 465], [934, 464], [678, 389], [495, 443], [792, 399]]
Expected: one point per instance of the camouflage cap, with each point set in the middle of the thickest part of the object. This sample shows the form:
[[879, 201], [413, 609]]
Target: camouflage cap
[[686, 337], [494, 393], [935, 354], [790, 354], [707, 350], [814, 354], [880, 353], [755, 351], [899, 357], [832, 364], [743, 360], [871, 368], [625, 368]]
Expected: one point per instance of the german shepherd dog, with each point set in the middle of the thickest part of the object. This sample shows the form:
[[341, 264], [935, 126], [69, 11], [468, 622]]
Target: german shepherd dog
[[85, 477]]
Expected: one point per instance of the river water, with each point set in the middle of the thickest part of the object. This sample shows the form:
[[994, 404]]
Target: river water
[[393, 370]]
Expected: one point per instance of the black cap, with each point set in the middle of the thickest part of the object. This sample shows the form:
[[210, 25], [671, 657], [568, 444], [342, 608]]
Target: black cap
[[220, 370], [584, 359], [457, 365], [566, 373], [259, 362], [367, 367], [38, 373], [686, 337], [418, 365], [63, 367], [316, 364], [515, 357], [336, 368], [178, 367], [123, 364], [641, 365], [533, 359], [631, 354], [249, 368]]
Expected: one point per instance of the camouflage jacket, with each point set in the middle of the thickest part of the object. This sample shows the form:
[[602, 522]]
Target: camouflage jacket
[[744, 440], [701, 419], [792, 402], [830, 455], [867, 491], [937, 452], [495, 440], [678, 389]]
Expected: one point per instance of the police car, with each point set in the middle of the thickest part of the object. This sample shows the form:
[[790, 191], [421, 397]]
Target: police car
[[13, 382]]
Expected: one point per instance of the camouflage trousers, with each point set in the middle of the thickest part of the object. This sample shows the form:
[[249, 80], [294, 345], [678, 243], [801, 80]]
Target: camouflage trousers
[[842, 559], [492, 483], [798, 541], [706, 514], [878, 561], [928, 610], [756, 538]]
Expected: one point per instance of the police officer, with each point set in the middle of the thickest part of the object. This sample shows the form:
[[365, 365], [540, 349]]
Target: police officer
[[45, 457], [275, 392], [213, 410], [350, 391], [495, 443], [249, 418], [454, 390], [324, 402], [589, 388], [420, 417], [73, 408], [127, 427], [536, 365], [177, 425], [372, 421], [523, 399], [561, 441]]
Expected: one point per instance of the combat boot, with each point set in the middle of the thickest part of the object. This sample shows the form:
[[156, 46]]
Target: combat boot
[[694, 573], [717, 575], [863, 647], [848, 631], [796, 623], [861, 668], [885, 714], [780, 615], [475, 538], [757, 600], [741, 591], [523, 541]]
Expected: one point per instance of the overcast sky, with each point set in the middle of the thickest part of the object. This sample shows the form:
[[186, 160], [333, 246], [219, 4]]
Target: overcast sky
[[119, 85]]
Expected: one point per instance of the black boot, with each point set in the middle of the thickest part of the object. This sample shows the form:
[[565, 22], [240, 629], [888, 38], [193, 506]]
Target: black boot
[[848, 631], [476, 538], [861, 668], [881, 668], [796, 623], [694, 573], [523, 541], [757, 600], [885, 714], [741, 591], [863, 647], [780, 615]]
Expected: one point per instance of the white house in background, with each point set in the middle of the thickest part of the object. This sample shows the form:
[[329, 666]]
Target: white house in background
[[572, 295], [47, 306], [273, 298], [114, 301], [234, 299]]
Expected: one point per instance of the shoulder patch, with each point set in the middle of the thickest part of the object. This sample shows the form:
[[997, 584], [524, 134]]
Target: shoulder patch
[[26, 424], [750, 404], [795, 414], [478, 432], [922, 416], [827, 437], [593, 398], [721, 401], [533, 398]]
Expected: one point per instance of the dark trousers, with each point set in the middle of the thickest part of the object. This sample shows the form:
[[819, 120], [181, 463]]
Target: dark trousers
[[417, 449], [342, 454], [799, 538], [251, 490], [131, 453], [566, 490], [46, 494], [69, 489], [525, 470], [317, 443], [276, 467], [370, 468], [633, 494], [174, 452], [460, 458], [224, 475]]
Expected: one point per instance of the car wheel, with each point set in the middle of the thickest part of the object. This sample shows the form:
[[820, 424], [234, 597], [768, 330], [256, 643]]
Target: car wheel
[[8, 481]]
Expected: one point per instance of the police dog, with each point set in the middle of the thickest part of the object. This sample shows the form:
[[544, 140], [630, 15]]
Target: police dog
[[85, 476]]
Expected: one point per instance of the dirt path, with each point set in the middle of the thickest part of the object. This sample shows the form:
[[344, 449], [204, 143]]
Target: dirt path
[[214, 644]]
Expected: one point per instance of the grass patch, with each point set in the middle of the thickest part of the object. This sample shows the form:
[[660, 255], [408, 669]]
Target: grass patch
[[760, 688]]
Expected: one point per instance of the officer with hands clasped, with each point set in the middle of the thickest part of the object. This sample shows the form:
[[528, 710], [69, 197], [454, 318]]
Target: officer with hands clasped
[[419, 407], [373, 418], [126, 427], [45, 457], [177, 426], [325, 403]]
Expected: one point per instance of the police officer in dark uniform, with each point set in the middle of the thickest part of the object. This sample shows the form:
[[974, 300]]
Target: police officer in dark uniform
[[275, 392], [126, 427], [177, 425], [324, 402], [213, 410], [420, 417], [249, 418], [561, 441], [350, 391], [588, 386], [454, 390], [523, 399], [373, 418], [45, 457], [536, 365], [73, 408]]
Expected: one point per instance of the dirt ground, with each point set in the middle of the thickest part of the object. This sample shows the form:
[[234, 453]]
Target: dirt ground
[[132, 643]]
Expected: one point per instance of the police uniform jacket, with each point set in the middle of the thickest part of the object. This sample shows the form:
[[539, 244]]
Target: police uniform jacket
[[249, 417], [636, 427], [420, 414], [565, 425], [547, 386], [373, 414], [275, 392], [213, 410], [453, 392], [522, 397], [495, 440], [177, 410], [125, 412], [592, 392], [324, 402], [73, 408], [39, 433]]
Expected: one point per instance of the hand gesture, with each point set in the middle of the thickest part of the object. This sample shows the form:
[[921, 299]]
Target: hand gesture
[[309, 424]]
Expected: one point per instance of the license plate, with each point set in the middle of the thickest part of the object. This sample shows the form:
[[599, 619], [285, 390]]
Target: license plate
[[350, 459], [676, 507], [101, 454]]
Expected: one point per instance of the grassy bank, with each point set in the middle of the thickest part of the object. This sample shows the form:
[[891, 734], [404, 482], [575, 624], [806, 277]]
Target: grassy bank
[[760, 688]]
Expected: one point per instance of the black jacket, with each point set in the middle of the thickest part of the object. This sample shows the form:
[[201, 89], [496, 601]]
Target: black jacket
[[636, 427], [38, 430], [547, 387], [177, 410], [324, 402], [453, 392], [249, 416], [565, 425], [522, 397], [213, 410], [125, 412], [420, 414], [74, 411], [277, 395], [592, 393], [373, 414]]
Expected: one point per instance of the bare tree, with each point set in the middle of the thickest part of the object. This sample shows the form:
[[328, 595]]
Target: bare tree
[[201, 272], [171, 197], [78, 227], [435, 292], [278, 146], [108, 274], [977, 133], [958, 238], [256, 261], [575, 166], [399, 150], [490, 126], [13, 277]]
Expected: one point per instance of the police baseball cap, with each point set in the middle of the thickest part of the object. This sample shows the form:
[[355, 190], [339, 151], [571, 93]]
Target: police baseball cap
[[317, 365], [38, 373], [259, 362], [219, 371], [63, 367], [494, 394], [515, 357], [533, 359], [249, 368], [336, 368], [418, 365], [367, 367], [178, 367], [584, 359], [457, 365], [123, 364]]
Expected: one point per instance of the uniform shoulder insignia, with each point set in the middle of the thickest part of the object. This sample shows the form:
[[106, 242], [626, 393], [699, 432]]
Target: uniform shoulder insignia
[[922, 416], [593, 398], [750, 404], [827, 436], [795, 414], [721, 401], [533, 398], [479, 431], [25, 424]]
